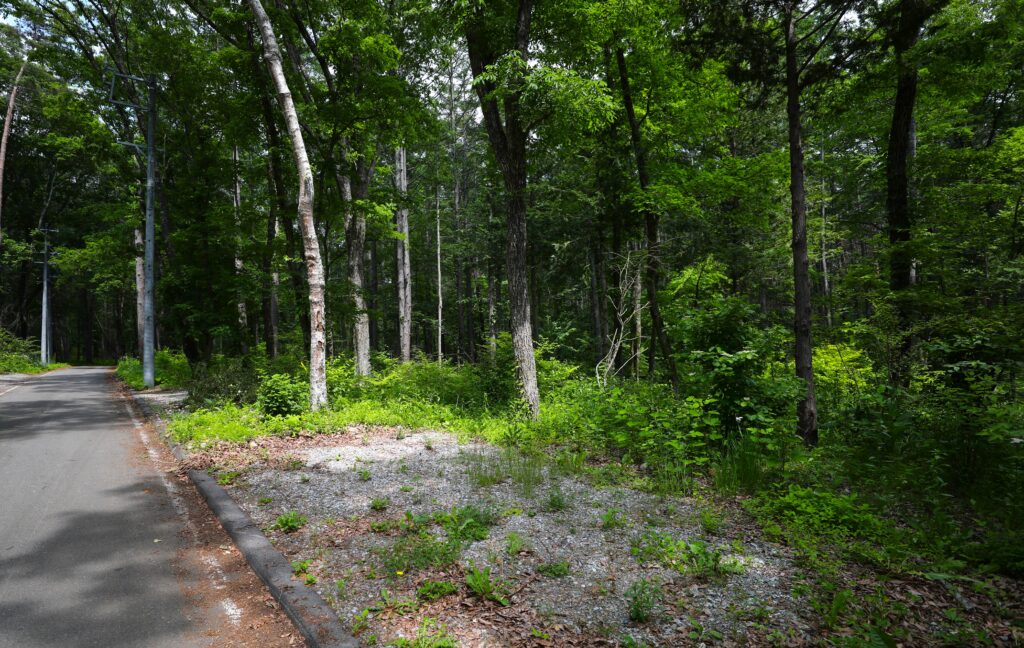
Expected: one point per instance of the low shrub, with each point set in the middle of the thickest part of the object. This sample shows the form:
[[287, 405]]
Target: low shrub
[[281, 395]]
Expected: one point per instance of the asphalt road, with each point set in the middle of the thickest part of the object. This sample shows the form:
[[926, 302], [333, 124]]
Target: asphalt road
[[88, 532]]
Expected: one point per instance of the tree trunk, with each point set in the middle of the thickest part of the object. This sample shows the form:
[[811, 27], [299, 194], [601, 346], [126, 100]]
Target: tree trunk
[[11, 99], [356, 250], [440, 281], [140, 289], [508, 140], [652, 270], [310, 244], [403, 263], [236, 202], [807, 406], [269, 276]]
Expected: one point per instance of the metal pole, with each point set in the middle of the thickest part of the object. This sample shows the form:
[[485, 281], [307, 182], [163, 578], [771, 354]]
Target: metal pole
[[44, 334], [149, 329]]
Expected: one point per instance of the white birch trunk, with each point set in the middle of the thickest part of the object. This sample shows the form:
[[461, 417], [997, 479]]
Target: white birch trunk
[[140, 291], [310, 243], [11, 99], [403, 261]]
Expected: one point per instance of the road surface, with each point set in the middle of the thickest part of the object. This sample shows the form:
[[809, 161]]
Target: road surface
[[93, 532]]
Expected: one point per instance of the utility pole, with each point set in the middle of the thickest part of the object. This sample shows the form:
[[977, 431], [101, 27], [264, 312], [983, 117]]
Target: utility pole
[[44, 333], [148, 316], [149, 327]]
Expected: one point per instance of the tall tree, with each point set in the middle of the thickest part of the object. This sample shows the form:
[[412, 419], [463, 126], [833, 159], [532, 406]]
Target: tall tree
[[495, 30], [910, 18], [403, 262], [12, 98], [310, 242]]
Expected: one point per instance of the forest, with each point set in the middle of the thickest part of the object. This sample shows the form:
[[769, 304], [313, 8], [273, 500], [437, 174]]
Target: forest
[[762, 254]]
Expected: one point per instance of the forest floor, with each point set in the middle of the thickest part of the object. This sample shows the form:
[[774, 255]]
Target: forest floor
[[390, 525]]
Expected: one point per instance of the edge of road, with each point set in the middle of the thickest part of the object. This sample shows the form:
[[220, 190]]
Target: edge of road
[[312, 616]]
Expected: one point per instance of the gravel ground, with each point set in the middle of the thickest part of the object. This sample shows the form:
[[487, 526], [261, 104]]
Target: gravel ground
[[555, 513]]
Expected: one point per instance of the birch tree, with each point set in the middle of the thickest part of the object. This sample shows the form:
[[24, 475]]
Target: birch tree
[[310, 243]]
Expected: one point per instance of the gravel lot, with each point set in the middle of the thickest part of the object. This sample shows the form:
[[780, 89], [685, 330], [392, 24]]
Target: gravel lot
[[356, 488]]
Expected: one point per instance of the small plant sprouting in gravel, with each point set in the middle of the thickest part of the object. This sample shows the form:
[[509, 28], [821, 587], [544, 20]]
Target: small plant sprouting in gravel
[[514, 543], [300, 567], [228, 478], [341, 589], [294, 463], [263, 501], [364, 474], [310, 579], [557, 569], [430, 634], [432, 590], [642, 597], [710, 521], [406, 489], [289, 522], [379, 503], [555, 501], [428, 443], [612, 519], [479, 582], [304, 479]]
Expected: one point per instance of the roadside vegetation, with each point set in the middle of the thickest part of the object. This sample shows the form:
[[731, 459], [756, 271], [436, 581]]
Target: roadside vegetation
[[860, 503], [21, 356]]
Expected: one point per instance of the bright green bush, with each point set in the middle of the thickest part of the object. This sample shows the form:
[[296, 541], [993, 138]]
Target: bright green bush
[[171, 369], [18, 355], [281, 395]]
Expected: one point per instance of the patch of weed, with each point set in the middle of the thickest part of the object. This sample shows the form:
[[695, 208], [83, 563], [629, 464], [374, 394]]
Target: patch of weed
[[379, 503], [432, 590], [514, 543], [612, 519], [289, 522], [555, 501], [430, 634], [419, 550], [481, 584], [642, 597], [695, 558], [556, 569], [228, 477]]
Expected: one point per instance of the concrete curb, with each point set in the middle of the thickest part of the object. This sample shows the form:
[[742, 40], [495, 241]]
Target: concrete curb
[[316, 620]]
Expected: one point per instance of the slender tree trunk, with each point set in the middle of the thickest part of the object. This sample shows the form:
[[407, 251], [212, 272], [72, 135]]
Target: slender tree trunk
[[356, 251], [440, 280], [236, 201], [403, 263], [807, 406], [373, 296], [826, 289], [11, 99], [269, 276], [140, 289], [652, 270], [311, 246], [492, 310]]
